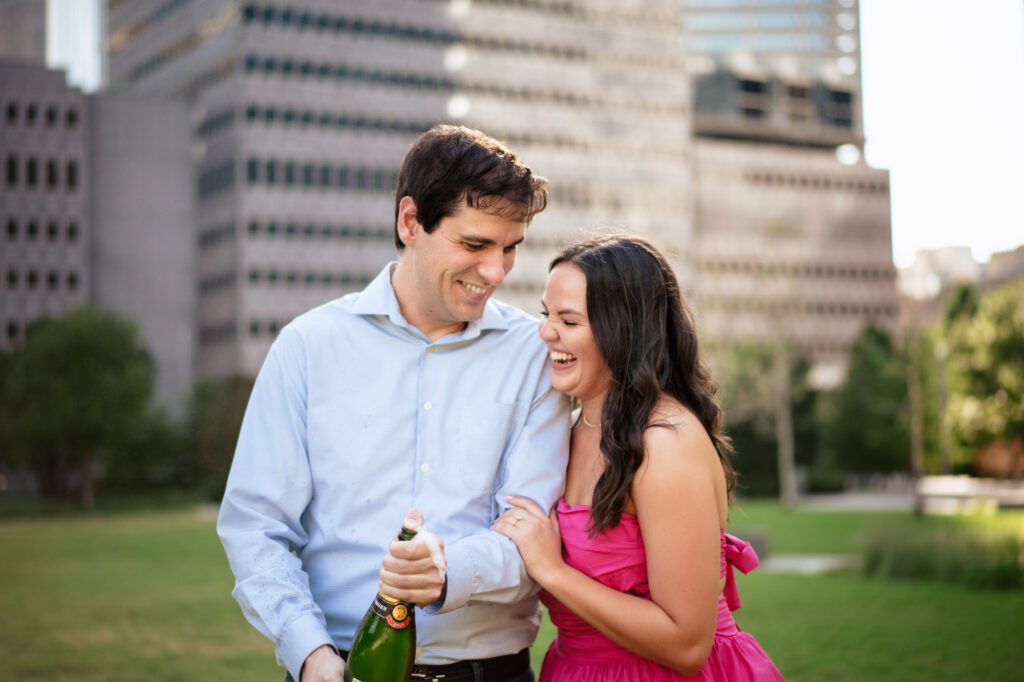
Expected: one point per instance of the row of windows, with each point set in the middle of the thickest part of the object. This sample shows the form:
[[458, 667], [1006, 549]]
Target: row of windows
[[291, 230], [289, 173], [217, 179], [127, 35], [32, 173], [325, 119], [32, 279], [30, 114], [308, 278], [286, 67], [798, 270], [817, 182], [272, 172], [217, 282], [265, 327], [769, 307], [32, 229], [221, 121], [290, 18], [211, 334], [212, 236]]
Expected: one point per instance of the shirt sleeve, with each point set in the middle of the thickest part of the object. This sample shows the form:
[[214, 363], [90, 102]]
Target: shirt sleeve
[[268, 489], [485, 567]]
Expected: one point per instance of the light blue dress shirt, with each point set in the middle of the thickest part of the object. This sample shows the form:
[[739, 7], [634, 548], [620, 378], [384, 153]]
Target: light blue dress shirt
[[354, 419]]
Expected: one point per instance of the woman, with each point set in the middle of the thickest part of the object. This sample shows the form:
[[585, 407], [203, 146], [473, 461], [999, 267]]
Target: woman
[[644, 589]]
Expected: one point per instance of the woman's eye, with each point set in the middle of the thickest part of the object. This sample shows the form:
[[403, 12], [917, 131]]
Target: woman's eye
[[567, 323], [543, 313]]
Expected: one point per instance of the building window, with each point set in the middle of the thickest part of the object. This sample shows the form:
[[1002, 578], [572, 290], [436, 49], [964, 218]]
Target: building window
[[12, 170], [307, 174], [51, 231], [71, 118], [51, 116], [12, 229], [325, 176], [31, 173], [32, 279], [72, 175], [12, 113], [72, 232], [52, 279], [32, 230], [51, 174], [12, 279], [72, 281], [252, 171], [30, 114], [271, 175], [12, 331]]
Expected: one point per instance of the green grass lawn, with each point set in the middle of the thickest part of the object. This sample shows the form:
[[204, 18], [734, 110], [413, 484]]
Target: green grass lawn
[[146, 596]]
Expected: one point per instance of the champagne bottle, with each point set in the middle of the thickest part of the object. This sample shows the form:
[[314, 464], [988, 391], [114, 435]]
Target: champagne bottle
[[385, 643]]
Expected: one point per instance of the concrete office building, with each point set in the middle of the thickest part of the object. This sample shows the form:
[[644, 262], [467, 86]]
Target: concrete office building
[[23, 30], [45, 197], [143, 212], [303, 111], [96, 207], [792, 229]]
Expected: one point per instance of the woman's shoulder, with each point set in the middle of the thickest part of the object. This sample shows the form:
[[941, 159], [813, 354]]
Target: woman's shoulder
[[674, 434]]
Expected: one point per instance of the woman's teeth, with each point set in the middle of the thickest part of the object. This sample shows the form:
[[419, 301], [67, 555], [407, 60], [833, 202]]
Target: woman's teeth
[[562, 357]]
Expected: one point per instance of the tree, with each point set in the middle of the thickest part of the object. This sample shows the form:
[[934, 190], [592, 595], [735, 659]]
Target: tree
[[73, 395], [769, 410], [986, 366], [868, 430], [215, 416]]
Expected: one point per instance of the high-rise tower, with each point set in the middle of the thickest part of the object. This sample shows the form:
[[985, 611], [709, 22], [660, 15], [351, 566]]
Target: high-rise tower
[[792, 229], [304, 110]]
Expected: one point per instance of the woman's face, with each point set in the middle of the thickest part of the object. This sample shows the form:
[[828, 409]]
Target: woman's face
[[577, 367]]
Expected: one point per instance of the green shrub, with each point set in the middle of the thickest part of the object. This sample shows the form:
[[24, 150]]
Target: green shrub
[[978, 553]]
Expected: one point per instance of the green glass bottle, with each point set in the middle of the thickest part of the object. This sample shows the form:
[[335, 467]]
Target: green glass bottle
[[385, 643]]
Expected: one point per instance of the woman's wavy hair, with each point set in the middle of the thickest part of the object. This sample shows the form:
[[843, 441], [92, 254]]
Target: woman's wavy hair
[[646, 334]]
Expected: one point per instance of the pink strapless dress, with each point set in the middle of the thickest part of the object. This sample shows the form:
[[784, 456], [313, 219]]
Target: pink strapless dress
[[617, 558]]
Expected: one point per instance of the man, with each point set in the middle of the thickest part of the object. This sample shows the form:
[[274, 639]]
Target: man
[[418, 392]]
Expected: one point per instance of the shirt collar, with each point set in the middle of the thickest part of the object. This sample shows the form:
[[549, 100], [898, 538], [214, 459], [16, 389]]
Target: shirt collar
[[378, 298]]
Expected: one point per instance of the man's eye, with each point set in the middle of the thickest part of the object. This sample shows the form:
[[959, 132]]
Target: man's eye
[[512, 249], [473, 247]]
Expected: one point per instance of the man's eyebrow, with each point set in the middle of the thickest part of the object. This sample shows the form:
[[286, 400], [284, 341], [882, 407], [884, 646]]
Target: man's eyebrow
[[486, 241]]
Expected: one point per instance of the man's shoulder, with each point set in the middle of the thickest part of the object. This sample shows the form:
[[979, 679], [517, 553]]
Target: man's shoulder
[[517, 319], [324, 317]]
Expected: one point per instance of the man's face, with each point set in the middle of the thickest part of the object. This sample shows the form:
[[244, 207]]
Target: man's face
[[458, 266]]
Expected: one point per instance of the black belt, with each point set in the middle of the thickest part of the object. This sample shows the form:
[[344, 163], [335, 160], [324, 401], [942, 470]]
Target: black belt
[[497, 669]]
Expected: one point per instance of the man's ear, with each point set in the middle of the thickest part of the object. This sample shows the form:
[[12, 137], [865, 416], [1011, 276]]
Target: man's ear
[[408, 221]]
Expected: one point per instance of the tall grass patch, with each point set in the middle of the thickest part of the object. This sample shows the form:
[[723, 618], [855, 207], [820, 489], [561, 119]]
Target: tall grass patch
[[978, 552]]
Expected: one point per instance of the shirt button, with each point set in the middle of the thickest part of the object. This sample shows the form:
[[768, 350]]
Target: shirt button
[[427, 406], [424, 468]]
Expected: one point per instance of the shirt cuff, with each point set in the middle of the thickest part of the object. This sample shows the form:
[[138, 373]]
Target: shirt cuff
[[460, 580], [302, 636]]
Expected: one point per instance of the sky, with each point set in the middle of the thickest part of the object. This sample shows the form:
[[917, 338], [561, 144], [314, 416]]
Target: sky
[[943, 87]]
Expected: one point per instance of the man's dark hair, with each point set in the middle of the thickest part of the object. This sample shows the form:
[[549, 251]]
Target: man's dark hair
[[451, 165], [648, 338]]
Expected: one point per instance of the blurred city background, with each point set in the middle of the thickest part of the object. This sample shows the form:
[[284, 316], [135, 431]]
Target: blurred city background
[[836, 182]]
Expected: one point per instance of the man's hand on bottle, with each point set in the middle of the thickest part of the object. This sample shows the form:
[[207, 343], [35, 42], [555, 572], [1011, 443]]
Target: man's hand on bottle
[[411, 571], [324, 665]]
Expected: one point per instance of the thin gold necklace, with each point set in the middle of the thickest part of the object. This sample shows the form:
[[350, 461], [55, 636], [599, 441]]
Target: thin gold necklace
[[586, 423]]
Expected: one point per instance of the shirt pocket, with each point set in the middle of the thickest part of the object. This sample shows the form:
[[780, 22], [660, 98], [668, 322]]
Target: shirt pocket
[[483, 435]]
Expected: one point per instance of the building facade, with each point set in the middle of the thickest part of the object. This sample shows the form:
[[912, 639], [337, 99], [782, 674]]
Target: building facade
[[45, 197], [23, 30], [303, 111], [792, 231]]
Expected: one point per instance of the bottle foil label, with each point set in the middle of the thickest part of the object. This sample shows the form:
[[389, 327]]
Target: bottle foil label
[[397, 614]]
